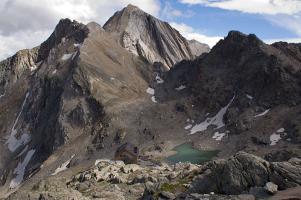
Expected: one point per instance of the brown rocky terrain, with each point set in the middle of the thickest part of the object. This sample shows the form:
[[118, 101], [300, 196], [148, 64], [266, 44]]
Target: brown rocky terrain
[[243, 176], [86, 90]]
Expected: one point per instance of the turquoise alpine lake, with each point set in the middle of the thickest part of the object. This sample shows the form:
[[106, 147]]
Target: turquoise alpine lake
[[186, 153]]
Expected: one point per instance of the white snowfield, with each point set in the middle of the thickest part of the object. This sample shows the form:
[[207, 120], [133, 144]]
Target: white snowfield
[[74, 55], [54, 71], [151, 91], [181, 87], [33, 67], [159, 80], [67, 56], [154, 99], [216, 121], [13, 142], [63, 166], [77, 45], [281, 130], [218, 136], [20, 170], [2, 95], [275, 137], [262, 114], [249, 96], [189, 126]]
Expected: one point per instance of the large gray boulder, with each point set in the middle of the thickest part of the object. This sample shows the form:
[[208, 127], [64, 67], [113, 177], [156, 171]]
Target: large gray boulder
[[242, 171], [286, 174], [233, 176]]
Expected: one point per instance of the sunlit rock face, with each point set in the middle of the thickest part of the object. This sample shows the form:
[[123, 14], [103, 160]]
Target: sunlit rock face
[[150, 38]]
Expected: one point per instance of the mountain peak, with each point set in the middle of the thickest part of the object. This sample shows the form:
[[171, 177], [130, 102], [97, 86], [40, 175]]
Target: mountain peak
[[64, 29], [150, 38], [236, 40], [131, 7], [236, 36]]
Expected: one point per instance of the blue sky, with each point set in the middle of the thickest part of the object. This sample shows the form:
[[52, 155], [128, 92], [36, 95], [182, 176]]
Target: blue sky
[[216, 21], [26, 24], [267, 19]]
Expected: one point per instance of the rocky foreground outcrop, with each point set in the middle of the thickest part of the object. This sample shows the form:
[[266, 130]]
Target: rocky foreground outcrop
[[242, 176], [243, 171]]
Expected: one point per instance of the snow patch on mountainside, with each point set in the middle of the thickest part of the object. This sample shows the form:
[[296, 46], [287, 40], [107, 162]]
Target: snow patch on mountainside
[[67, 56], [181, 87], [151, 91], [275, 137], [187, 127], [20, 169], [159, 80], [77, 45], [216, 121], [249, 96], [63, 166], [219, 136], [33, 67], [13, 142], [262, 114], [2, 95], [281, 130], [153, 98]]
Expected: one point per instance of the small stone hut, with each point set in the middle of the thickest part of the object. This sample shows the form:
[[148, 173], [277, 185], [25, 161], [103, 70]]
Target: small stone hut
[[128, 153]]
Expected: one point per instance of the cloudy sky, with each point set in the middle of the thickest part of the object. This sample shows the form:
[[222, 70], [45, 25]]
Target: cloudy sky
[[27, 23]]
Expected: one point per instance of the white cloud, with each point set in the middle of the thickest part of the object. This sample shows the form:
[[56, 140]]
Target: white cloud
[[10, 44], [190, 34], [24, 23], [253, 6], [289, 22], [282, 13], [169, 12]]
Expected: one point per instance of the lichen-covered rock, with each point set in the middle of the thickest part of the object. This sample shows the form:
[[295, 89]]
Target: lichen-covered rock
[[243, 171], [286, 174], [271, 188]]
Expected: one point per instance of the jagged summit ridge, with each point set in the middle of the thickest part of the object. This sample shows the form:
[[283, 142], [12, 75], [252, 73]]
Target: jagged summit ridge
[[154, 40], [64, 29]]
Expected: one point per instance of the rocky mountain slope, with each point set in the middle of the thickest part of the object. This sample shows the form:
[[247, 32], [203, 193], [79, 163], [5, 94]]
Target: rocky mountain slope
[[62, 97], [150, 38], [254, 87], [244, 176], [86, 90]]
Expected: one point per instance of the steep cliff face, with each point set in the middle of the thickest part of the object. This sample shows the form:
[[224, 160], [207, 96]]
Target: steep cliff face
[[246, 65], [58, 93], [14, 67], [150, 38], [243, 86]]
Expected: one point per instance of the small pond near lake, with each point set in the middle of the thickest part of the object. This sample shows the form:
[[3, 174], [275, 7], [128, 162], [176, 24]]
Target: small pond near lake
[[187, 153]]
